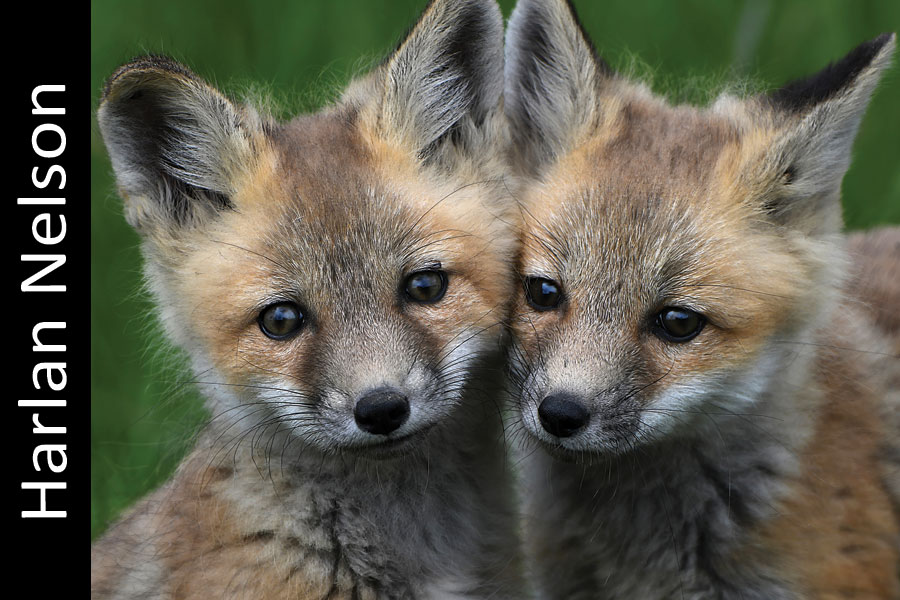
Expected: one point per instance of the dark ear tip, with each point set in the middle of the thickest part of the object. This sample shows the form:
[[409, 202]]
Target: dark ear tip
[[884, 38], [802, 94], [142, 65], [874, 46]]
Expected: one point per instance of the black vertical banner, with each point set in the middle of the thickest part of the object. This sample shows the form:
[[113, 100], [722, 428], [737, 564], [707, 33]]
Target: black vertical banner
[[47, 228]]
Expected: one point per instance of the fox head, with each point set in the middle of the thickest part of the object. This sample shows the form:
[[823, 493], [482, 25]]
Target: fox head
[[674, 259], [335, 278]]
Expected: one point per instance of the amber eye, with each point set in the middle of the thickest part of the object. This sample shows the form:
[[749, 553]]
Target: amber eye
[[279, 321], [426, 287], [542, 293], [679, 324]]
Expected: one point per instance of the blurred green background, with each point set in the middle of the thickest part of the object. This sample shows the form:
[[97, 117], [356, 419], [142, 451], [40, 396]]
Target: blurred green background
[[302, 53]]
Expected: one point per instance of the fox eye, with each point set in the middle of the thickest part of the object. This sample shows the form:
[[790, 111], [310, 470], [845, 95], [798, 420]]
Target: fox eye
[[281, 320], [426, 287], [679, 324], [542, 293]]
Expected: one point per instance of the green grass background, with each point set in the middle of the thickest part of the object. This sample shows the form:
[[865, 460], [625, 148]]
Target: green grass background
[[303, 52]]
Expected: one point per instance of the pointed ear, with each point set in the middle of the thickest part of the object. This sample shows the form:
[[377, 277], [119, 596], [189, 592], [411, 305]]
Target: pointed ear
[[552, 78], [819, 117], [440, 91], [176, 144]]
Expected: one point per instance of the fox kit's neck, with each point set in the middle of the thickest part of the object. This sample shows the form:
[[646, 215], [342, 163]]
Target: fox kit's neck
[[408, 519], [668, 519]]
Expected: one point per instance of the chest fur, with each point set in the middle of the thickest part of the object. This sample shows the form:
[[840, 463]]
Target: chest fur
[[645, 528]]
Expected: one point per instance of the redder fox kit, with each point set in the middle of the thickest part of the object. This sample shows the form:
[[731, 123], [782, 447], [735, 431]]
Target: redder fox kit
[[707, 396], [338, 282]]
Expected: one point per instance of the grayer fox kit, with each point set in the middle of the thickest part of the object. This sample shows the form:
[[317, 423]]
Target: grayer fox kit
[[705, 395], [337, 282]]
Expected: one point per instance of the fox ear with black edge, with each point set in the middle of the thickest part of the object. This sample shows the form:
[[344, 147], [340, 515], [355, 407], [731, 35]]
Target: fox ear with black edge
[[178, 146], [819, 117], [440, 91], [552, 78]]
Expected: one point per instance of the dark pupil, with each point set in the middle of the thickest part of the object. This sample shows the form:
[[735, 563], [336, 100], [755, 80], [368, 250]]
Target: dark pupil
[[425, 287], [281, 319], [543, 292], [680, 323]]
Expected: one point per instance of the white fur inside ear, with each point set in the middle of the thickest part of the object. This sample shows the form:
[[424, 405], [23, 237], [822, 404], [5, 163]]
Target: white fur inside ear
[[551, 75], [208, 150], [821, 142], [814, 149], [447, 74]]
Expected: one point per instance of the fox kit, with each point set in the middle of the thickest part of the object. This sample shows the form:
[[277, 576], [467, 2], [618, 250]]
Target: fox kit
[[704, 393], [338, 282]]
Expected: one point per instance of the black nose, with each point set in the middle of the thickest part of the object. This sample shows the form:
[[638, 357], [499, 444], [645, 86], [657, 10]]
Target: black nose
[[381, 411], [562, 415]]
